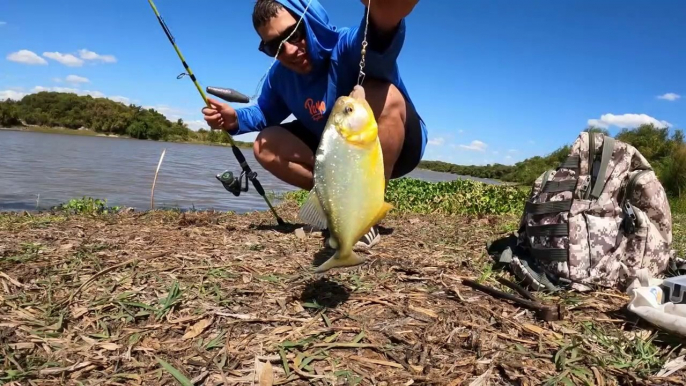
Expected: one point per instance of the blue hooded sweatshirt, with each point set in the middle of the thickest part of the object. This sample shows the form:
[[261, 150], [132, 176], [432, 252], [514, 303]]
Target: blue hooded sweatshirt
[[335, 56]]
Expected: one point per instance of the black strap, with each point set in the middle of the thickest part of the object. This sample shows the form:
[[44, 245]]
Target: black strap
[[548, 230], [572, 162], [549, 254], [559, 186], [549, 207]]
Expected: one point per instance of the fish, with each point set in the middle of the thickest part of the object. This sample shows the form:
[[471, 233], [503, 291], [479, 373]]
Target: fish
[[349, 182]]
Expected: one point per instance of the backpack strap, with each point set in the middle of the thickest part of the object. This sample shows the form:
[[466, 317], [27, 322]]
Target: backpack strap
[[548, 207], [608, 148], [572, 162], [591, 160]]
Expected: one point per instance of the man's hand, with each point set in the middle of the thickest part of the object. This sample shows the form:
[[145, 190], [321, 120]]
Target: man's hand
[[386, 14], [220, 116]]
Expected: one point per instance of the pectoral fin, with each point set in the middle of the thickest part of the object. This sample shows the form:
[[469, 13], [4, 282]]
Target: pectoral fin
[[312, 211], [337, 261]]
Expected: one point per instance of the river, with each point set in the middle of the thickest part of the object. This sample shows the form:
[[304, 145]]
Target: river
[[41, 170]]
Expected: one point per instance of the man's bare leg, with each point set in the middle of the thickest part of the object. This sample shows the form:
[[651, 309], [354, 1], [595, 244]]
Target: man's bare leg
[[285, 156], [388, 105]]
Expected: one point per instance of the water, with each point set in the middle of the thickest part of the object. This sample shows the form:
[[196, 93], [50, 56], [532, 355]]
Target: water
[[38, 171]]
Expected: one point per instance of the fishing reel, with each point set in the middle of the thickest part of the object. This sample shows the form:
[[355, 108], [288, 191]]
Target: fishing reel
[[233, 184]]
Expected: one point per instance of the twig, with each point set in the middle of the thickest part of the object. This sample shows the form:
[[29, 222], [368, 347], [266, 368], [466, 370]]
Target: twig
[[154, 181]]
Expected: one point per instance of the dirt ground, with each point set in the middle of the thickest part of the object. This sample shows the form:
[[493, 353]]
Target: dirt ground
[[225, 299]]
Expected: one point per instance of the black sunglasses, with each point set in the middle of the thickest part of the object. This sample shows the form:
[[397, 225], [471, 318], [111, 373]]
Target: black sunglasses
[[272, 46]]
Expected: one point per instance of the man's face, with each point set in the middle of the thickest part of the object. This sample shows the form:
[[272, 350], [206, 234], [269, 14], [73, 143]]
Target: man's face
[[293, 52]]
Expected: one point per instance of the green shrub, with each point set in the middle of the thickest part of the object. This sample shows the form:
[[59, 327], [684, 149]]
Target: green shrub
[[86, 205], [453, 197]]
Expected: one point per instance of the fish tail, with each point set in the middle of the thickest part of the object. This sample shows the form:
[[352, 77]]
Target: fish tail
[[349, 259]]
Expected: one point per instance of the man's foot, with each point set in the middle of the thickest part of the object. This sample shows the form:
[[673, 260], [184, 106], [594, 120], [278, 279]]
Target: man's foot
[[367, 241]]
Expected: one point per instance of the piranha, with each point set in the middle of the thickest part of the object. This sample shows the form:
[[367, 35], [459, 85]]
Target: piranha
[[349, 182]]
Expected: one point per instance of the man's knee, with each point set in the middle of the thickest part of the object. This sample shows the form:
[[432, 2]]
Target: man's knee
[[265, 148]]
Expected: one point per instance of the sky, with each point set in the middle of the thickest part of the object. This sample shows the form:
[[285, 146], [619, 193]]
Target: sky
[[496, 81]]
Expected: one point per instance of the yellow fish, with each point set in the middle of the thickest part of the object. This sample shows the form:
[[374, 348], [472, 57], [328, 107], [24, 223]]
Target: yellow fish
[[349, 181]]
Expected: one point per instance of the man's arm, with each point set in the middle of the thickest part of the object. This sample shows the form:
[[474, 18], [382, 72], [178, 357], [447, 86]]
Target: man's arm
[[387, 14], [385, 37], [270, 110]]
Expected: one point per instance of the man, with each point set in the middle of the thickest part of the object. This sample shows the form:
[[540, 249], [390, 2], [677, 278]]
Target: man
[[317, 63]]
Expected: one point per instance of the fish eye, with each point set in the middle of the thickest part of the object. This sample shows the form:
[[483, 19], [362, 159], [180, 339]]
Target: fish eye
[[348, 109]]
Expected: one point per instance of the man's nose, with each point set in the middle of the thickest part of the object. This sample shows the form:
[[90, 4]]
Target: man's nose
[[289, 49]]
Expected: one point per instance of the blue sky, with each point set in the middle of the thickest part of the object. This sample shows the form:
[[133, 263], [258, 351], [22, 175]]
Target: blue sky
[[495, 81]]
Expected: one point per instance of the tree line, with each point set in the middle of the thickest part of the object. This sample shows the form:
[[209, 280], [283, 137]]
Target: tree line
[[71, 111], [666, 154]]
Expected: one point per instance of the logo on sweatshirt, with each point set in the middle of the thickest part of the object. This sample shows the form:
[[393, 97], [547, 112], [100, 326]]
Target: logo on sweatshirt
[[316, 109]]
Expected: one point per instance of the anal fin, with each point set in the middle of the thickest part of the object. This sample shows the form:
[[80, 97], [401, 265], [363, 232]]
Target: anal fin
[[312, 212]]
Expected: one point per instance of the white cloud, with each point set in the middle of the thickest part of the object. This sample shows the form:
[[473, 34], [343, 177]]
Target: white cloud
[[94, 94], [629, 121], [512, 151], [460, 131], [90, 55], [476, 145], [438, 141], [66, 59], [11, 94], [2, 23], [17, 94], [26, 57], [670, 96], [197, 124], [76, 79]]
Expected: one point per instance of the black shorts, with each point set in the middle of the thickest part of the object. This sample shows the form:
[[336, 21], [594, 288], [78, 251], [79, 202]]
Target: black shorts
[[409, 157]]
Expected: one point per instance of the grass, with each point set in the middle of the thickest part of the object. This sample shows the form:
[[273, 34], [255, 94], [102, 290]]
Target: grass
[[89, 295]]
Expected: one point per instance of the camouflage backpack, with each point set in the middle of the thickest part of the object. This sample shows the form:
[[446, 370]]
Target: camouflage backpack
[[596, 220]]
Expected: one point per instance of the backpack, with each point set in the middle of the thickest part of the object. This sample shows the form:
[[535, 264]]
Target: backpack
[[596, 220]]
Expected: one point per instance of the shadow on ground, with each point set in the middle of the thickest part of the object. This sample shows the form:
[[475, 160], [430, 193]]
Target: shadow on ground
[[285, 228], [325, 293]]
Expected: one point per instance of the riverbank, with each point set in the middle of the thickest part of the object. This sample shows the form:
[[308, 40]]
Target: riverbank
[[96, 297], [92, 133]]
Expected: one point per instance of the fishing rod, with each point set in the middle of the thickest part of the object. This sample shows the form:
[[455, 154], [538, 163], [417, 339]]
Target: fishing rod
[[230, 183]]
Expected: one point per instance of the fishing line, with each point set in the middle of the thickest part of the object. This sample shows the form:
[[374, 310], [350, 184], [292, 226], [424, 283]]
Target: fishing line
[[229, 182]]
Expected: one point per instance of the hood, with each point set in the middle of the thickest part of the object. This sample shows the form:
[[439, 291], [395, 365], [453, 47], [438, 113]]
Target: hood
[[321, 35]]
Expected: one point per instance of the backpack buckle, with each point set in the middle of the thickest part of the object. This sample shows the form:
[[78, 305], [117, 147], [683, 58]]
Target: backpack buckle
[[629, 221]]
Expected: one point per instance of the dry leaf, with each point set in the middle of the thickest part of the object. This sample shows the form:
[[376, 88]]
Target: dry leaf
[[266, 376], [110, 346], [376, 361], [281, 329], [197, 328], [424, 311]]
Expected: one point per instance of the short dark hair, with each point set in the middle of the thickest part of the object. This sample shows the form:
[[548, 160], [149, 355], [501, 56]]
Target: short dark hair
[[264, 11]]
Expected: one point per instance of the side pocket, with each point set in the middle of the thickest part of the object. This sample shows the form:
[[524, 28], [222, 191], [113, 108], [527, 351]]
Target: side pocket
[[604, 235], [633, 247]]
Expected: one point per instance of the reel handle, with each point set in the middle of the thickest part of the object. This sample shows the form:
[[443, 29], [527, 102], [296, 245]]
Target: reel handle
[[228, 94]]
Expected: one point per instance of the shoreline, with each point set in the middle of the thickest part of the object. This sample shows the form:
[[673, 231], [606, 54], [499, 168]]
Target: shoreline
[[240, 144], [91, 133]]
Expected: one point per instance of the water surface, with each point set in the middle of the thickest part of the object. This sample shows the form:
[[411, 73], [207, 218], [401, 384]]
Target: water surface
[[40, 170]]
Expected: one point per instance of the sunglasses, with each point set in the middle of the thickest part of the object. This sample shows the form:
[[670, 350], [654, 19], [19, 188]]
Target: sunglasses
[[272, 46]]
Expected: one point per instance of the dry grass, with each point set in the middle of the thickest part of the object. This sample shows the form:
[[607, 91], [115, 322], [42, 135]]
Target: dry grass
[[225, 299]]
